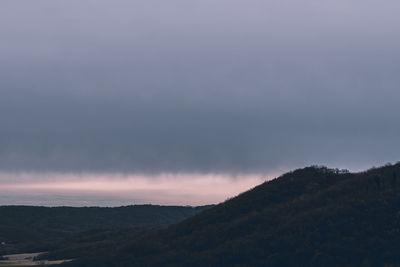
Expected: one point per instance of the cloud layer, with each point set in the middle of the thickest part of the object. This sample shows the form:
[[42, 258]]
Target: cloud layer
[[53, 189], [198, 86]]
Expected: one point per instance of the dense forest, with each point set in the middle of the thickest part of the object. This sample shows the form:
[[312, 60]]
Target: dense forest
[[309, 217], [32, 229]]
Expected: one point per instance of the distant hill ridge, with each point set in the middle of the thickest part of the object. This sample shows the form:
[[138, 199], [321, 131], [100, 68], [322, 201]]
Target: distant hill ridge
[[32, 229], [309, 217]]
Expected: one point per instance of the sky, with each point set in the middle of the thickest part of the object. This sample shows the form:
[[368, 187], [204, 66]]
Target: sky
[[190, 102]]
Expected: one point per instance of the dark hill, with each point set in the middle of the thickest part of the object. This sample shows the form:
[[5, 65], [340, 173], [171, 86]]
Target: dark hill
[[310, 217], [32, 229]]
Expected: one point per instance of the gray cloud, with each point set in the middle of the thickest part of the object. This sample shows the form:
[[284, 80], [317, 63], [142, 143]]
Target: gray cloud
[[198, 86]]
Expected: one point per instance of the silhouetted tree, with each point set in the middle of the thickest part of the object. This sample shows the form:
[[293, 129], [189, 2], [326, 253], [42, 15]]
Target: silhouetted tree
[[394, 179], [377, 181]]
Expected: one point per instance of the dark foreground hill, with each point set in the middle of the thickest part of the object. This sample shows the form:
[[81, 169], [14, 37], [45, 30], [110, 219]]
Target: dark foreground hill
[[310, 217], [32, 229]]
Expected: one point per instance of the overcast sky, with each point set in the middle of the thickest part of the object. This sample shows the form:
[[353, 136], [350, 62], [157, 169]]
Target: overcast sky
[[187, 86]]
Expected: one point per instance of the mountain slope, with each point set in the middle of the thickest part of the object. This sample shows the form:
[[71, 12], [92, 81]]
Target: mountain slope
[[312, 216]]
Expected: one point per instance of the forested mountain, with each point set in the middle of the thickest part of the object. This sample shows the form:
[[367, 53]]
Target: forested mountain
[[309, 217], [31, 229]]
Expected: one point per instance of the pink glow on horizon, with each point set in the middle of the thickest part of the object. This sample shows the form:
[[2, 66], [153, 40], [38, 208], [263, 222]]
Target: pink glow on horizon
[[167, 189]]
